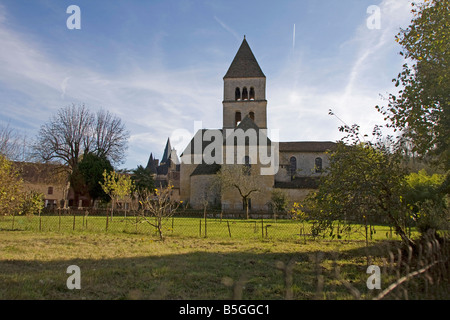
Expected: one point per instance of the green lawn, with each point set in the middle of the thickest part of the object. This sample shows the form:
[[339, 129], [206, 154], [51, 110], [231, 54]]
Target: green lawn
[[124, 264], [130, 266], [280, 229]]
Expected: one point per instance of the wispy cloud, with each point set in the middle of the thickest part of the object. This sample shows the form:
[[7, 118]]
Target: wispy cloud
[[152, 102], [348, 81], [226, 27]]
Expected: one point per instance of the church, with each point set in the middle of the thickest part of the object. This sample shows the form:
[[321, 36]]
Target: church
[[294, 167]]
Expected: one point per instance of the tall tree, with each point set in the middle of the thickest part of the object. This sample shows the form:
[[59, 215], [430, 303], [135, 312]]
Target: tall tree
[[91, 169], [421, 108], [75, 131], [13, 145]]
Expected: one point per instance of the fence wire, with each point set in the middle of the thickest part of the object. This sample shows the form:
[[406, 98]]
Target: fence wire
[[214, 224]]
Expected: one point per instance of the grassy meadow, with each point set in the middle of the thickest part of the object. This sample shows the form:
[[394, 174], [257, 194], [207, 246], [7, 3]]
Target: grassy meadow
[[129, 263]]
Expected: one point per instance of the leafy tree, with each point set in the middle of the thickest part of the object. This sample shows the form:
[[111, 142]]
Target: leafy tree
[[117, 186], [279, 201], [142, 179], [427, 200], [364, 181], [91, 169], [421, 108], [11, 194], [33, 203]]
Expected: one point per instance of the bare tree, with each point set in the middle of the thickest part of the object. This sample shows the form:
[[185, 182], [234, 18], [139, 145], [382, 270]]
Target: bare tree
[[75, 130], [13, 145], [157, 206], [242, 178], [110, 136]]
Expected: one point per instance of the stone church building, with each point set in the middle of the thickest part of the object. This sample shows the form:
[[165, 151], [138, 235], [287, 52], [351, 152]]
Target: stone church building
[[243, 140]]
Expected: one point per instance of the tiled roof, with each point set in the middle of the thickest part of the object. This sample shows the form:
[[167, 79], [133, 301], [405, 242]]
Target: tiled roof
[[298, 183], [246, 124], [206, 169], [38, 172], [307, 146], [244, 64]]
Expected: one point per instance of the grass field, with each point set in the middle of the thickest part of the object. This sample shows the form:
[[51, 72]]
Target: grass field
[[215, 228], [123, 264]]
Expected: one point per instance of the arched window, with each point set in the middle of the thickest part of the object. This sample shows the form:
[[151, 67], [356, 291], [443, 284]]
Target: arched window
[[252, 115], [318, 164], [247, 164], [237, 94], [293, 166], [252, 93], [237, 118], [244, 94]]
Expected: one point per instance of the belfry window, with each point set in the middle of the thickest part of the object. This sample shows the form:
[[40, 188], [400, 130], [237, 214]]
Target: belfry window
[[252, 115], [252, 93], [244, 94], [292, 166], [237, 118], [237, 94], [318, 165]]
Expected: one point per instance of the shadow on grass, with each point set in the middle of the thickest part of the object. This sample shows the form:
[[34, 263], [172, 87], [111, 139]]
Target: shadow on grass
[[192, 276]]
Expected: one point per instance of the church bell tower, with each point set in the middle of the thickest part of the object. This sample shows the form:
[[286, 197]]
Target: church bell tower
[[244, 90]]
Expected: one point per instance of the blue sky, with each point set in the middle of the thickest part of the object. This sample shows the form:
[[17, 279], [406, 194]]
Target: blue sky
[[159, 65]]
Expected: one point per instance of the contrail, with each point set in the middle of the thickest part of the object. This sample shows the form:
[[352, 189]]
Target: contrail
[[227, 28], [293, 38]]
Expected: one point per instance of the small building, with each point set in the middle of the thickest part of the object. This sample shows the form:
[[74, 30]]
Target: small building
[[48, 179]]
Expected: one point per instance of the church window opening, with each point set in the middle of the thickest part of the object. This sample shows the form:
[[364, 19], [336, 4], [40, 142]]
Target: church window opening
[[247, 165], [237, 94], [252, 93], [237, 118], [292, 166], [244, 94], [252, 115], [318, 164]]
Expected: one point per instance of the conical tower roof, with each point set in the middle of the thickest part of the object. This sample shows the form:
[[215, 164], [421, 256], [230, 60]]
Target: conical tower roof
[[167, 151], [151, 165], [244, 64]]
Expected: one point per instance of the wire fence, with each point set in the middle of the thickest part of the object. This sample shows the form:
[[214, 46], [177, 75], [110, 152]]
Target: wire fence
[[421, 272], [187, 223]]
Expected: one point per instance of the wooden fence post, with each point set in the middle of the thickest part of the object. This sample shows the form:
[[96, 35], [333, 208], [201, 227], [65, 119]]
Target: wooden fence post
[[59, 218], [229, 231], [262, 227]]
